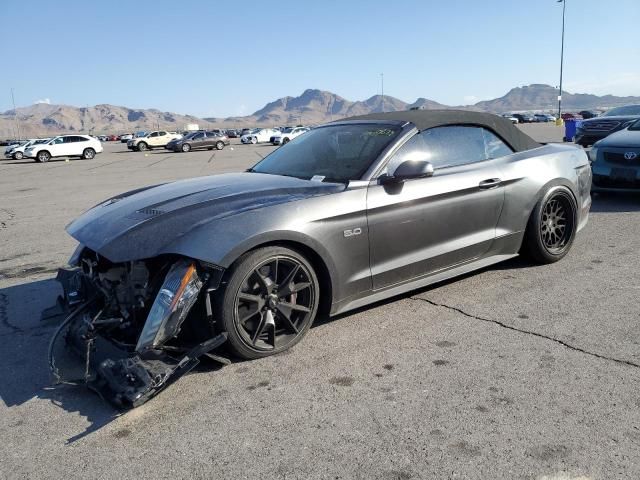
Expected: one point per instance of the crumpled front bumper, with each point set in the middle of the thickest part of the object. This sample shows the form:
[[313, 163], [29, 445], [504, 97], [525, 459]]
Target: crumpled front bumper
[[80, 355]]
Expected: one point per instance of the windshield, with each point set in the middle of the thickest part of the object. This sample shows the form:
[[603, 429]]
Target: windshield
[[628, 110], [635, 126], [336, 153]]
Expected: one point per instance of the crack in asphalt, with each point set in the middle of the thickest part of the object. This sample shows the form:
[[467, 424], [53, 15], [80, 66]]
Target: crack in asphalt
[[528, 332], [161, 160]]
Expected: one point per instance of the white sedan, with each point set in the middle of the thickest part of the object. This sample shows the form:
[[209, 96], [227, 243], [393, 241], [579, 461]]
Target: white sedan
[[17, 151], [288, 134], [259, 135], [83, 146]]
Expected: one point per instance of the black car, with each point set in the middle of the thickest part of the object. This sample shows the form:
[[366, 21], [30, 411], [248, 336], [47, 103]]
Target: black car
[[232, 133], [594, 129], [587, 114]]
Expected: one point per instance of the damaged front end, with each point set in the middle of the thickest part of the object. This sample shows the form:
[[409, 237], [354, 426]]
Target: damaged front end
[[133, 328]]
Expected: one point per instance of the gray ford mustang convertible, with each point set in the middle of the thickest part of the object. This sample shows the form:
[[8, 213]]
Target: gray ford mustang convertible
[[350, 213]]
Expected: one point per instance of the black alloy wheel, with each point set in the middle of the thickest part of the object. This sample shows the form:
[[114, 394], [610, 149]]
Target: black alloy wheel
[[556, 225], [270, 302], [552, 227]]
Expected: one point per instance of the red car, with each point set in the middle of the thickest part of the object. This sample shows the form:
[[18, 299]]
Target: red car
[[571, 116], [113, 138]]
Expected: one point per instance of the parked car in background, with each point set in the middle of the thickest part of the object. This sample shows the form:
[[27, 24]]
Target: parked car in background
[[594, 129], [233, 133], [202, 140], [185, 136], [126, 137], [82, 146], [152, 140], [587, 114], [114, 138], [17, 151], [287, 134], [571, 116], [524, 117], [544, 117], [245, 131], [259, 135], [616, 160], [510, 117]]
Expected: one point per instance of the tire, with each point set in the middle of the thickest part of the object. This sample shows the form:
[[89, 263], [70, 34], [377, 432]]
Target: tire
[[253, 307], [186, 147], [254, 140], [88, 153], [18, 156], [285, 140], [552, 226], [219, 145], [142, 146], [43, 156]]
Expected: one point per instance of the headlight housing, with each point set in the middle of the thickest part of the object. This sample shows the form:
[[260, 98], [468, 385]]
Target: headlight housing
[[593, 153], [175, 298]]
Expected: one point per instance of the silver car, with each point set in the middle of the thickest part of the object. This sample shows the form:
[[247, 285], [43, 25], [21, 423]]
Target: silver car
[[350, 213]]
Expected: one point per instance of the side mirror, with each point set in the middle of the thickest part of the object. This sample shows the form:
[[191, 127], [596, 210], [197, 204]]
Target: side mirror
[[410, 169]]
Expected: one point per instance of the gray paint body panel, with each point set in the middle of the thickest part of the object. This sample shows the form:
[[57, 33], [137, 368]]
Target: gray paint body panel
[[411, 235]]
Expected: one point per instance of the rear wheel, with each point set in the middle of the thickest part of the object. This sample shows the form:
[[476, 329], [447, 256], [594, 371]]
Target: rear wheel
[[269, 303], [552, 226], [219, 145], [43, 156], [186, 147], [88, 153]]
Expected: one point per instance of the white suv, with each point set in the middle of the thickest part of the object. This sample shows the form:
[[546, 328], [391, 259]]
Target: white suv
[[82, 146]]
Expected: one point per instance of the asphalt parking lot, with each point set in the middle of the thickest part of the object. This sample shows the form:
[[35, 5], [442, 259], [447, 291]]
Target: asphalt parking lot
[[517, 371]]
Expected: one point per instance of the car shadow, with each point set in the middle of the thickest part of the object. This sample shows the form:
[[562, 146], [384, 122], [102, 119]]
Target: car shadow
[[615, 202], [24, 372]]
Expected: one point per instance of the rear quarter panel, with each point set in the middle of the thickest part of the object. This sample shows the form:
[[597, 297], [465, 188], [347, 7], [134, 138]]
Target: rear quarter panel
[[528, 175]]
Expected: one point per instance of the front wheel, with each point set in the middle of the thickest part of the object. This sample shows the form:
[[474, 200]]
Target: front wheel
[[186, 147], [219, 145], [88, 153], [18, 156], [285, 140], [269, 303], [43, 156], [254, 140], [552, 226], [142, 147]]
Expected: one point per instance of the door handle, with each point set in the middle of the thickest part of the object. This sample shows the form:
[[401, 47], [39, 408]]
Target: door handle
[[489, 183]]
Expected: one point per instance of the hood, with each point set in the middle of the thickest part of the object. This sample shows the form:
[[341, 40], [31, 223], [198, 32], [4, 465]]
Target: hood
[[620, 118], [145, 222], [623, 138]]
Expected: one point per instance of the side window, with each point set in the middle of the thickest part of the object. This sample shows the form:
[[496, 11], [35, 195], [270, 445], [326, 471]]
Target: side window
[[69, 139], [154, 134], [413, 149], [447, 146], [162, 134], [58, 141], [199, 136], [455, 145], [81, 139], [494, 145]]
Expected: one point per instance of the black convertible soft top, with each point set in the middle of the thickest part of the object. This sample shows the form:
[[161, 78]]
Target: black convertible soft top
[[425, 119]]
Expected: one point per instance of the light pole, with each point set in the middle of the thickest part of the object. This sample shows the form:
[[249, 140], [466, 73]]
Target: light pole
[[382, 89], [564, 6]]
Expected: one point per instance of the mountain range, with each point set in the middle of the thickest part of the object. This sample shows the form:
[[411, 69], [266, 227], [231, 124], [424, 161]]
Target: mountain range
[[312, 107]]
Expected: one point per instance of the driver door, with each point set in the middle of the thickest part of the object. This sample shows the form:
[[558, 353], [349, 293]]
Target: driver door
[[420, 226]]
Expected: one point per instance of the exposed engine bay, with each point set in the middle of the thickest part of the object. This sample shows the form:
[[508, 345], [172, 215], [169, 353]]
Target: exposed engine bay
[[133, 328]]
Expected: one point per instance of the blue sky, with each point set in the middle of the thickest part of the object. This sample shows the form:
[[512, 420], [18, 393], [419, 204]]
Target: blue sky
[[214, 58]]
